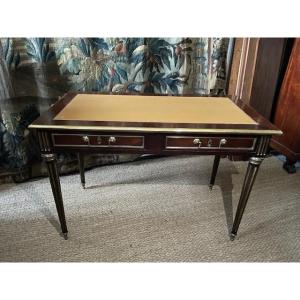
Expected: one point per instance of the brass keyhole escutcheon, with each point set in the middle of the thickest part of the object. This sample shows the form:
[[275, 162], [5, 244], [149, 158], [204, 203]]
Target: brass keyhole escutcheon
[[99, 140]]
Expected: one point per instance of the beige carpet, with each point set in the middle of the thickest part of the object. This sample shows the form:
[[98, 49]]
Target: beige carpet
[[155, 210]]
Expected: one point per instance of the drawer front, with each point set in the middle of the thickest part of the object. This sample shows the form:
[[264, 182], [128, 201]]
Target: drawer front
[[99, 141], [198, 142]]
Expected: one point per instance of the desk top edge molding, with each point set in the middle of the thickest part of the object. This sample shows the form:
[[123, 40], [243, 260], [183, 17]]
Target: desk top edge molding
[[46, 121]]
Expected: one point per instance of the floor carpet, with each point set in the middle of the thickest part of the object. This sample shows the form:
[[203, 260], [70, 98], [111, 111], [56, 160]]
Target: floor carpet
[[158, 210]]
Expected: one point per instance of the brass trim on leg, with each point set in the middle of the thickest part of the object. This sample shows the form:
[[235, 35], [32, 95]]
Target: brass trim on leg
[[50, 160], [214, 171], [255, 160], [48, 157], [81, 168], [253, 166]]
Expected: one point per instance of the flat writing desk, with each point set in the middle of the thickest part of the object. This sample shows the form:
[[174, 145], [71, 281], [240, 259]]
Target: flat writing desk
[[165, 125]]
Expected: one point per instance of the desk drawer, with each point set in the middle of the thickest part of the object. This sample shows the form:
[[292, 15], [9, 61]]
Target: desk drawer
[[100, 141], [199, 142]]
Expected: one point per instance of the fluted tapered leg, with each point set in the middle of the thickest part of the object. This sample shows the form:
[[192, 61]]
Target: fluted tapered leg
[[251, 173], [56, 190], [214, 171], [81, 168]]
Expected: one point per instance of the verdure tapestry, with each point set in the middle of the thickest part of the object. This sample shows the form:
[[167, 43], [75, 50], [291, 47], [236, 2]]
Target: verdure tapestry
[[35, 72]]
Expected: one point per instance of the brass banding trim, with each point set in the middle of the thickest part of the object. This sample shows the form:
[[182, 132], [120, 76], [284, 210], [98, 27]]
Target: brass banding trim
[[162, 130], [47, 145], [48, 156], [266, 145], [263, 145], [100, 145], [44, 140], [207, 147], [255, 161], [40, 141], [259, 145]]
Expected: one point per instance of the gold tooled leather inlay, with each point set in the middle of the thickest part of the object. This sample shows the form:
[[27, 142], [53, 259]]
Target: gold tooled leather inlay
[[156, 109]]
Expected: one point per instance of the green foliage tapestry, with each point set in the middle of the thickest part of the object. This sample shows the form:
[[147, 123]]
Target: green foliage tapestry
[[34, 72]]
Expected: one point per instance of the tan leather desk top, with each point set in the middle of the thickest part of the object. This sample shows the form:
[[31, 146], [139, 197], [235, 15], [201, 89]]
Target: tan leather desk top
[[160, 109]]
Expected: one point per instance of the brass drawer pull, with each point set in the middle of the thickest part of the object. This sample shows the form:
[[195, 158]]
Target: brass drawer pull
[[197, 142], [222, 142], [112, 140], [86, 139]]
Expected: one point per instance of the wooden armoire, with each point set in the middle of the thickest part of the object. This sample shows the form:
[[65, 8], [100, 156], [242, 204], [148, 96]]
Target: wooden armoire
[[266, 74], [287, 111]]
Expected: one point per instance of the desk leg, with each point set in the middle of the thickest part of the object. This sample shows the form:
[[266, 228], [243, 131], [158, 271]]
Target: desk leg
[[214, 171], [251, 173], [81, 168], [56, 190]]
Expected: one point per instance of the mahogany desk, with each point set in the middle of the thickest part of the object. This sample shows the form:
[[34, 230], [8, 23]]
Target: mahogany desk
[[164, 125]]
